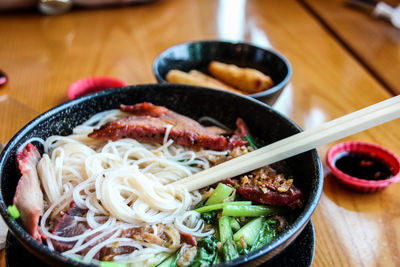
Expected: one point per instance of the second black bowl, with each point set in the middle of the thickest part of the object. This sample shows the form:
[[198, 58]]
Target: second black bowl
[[197, 55]]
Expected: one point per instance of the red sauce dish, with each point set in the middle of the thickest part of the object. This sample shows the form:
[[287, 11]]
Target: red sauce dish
[[92, 85], [349, 161]]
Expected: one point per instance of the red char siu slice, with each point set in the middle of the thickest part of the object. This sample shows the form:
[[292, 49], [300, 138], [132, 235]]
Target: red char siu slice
[[28, 197], [68, 226], [292, 198], [266, 186], [148, 123]]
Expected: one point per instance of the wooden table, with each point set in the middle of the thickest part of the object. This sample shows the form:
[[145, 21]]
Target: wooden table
[[374, 42], [44, 55]]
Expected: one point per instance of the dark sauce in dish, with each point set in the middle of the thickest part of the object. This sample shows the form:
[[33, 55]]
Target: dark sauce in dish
[[363, 166]]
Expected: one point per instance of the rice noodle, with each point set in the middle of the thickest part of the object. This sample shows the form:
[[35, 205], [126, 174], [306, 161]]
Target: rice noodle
[[122, 185], [190, 222]]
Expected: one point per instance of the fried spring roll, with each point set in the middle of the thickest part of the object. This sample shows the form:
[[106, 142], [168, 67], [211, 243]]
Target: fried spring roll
[[211, 80], [245, 79], [177, 76]]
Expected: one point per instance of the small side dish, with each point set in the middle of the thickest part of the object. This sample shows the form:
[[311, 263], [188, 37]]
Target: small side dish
[[225, 77], [362, 166], [91, 85], [197, 55]]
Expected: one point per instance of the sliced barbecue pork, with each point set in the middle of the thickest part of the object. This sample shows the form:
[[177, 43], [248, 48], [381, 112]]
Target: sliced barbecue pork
[[148, 123], [28, 197], [266, 186]]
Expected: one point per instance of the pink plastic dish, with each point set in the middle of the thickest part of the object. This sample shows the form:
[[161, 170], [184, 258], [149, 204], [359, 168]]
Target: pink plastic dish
[[92, 85], [378, 152]]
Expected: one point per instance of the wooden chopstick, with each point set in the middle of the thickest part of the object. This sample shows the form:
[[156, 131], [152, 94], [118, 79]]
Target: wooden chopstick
[[328, 132]]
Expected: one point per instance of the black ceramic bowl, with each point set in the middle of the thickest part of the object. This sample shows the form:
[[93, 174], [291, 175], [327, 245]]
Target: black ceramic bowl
[[197, 55], [265, 124]]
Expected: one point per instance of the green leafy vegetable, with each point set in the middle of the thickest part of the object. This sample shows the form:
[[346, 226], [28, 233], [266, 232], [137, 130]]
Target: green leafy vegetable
[[248, 232], [206, 252], [216, 259], [210, 217], [174, 260], [268, 233]]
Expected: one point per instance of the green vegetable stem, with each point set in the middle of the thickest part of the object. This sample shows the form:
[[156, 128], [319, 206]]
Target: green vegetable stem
[[249, 210], [229, 251], [225, 230], [234, 224], [222, 205], [248, 233], [221, 192], [174, 260]]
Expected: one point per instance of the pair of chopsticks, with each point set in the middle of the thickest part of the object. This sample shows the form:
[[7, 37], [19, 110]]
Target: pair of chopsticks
[[328, 132]]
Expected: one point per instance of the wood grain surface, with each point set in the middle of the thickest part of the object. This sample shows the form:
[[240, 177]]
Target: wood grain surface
[[373, 41], [43, 55], [2, 258]]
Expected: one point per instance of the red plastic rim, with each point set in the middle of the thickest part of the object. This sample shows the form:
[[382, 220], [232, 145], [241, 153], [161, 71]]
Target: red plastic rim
[[92, 85], [374, 150]]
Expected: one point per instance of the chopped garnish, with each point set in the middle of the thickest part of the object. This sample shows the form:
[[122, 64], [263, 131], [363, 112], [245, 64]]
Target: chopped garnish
[[13, 211], [250, 140]]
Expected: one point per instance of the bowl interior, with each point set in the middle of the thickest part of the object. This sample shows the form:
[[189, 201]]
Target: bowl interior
[[198, 55], [265, 124]]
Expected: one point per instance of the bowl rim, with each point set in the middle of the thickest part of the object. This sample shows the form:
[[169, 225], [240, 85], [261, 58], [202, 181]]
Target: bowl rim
[[267, 92], [29, 242], [358, 183]]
